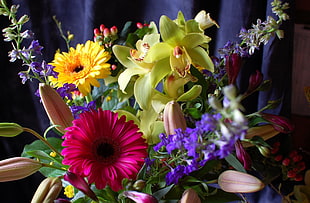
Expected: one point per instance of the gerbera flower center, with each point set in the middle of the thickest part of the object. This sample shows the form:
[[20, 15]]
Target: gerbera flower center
[[105, 150], [78, 68]]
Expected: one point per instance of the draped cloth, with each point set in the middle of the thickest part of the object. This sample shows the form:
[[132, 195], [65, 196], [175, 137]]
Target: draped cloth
[[18, 103]]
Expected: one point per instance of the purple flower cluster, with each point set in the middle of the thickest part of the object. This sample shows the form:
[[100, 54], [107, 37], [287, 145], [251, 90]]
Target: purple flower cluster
[[66, 90], [77, 110], [212, 138]]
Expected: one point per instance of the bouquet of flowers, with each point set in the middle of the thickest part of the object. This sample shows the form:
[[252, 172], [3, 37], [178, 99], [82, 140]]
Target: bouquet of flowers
[[146, 115]]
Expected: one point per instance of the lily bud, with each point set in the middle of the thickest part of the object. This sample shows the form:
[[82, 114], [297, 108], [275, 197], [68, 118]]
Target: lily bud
[[81, 184], [239, 182], [190, 196], [57, 110], [17, 168], [48, 190], [233, 65], [139, 185], [280, 123], [243, 155], [140, 197], [204, 20], [254, 82], [10, 129], [173, 118]]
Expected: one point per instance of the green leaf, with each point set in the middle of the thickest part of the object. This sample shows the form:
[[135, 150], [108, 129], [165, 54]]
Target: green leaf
[[233, 161], [161, 193]]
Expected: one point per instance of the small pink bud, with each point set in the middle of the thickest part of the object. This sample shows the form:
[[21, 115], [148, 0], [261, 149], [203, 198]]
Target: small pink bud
[[280, 123], [101, 27], [140, 197], [96, 32], [113, 67], [298, 177], [139, 25], [291, 174], [278, 157], [243, 155], [106, 32], [146, 25], [297, 158], [286, 162], [190, 196], [113, 30]]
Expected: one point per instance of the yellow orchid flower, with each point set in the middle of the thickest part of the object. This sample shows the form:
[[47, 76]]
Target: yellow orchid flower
[[183, 43]]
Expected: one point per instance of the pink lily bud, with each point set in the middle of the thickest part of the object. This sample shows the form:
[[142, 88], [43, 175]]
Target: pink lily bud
[[140, 197], [173, 118], [190, 196], [239, 182], [255, 80], [18, 168], [233, 65], [243, 155], [57, 110], [113, 30], [80, 183], [101, 27], [48, 190], [279, 123]]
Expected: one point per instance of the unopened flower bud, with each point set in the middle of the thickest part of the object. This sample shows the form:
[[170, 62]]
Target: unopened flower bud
[[113, 30], [243, 155], [106, 32], [81, 184], [96, 32], [70, 36], [139, 185], [265, 151], [48, 190], [190, 196], [280, 123], [204, 20], [254, 81], [140, 197], [239, 182], [10, 129], [17, 168], [57, 110], [233, 65], [173, 118], [286, 162], [139, 25], [101, 27]]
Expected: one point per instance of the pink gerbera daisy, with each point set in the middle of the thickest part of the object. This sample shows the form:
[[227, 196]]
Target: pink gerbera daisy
[[104, 148]]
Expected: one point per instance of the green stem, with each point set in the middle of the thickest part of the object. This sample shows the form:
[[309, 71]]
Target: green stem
[[52, 166], [42, 139]]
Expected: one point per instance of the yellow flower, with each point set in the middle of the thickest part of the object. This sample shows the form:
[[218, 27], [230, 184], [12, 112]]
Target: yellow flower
[[81, 66], [69, 191]]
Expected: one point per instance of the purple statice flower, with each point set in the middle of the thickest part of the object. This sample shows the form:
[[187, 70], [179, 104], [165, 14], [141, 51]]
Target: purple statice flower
[[43, 69], [66, 90], [77, 110], [35, 47], [232, 47], [175, 174]]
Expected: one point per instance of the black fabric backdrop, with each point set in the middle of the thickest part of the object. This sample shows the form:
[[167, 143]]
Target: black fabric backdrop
[[18, 104]]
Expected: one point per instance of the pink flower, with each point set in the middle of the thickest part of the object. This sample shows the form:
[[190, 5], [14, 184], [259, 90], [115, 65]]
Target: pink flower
[[104, 148]]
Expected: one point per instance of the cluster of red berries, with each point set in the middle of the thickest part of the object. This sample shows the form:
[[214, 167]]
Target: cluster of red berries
[[140, 25], [105, 36], [293, 165]]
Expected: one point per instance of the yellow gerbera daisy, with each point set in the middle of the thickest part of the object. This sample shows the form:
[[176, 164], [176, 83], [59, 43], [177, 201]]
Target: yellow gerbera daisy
[[81, 66]]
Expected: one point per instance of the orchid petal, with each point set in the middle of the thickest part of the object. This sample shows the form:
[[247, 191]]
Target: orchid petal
[[143, 91], [171, 33], [200, 58]]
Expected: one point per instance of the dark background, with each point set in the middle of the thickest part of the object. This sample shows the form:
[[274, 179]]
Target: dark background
[[18, 103]]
